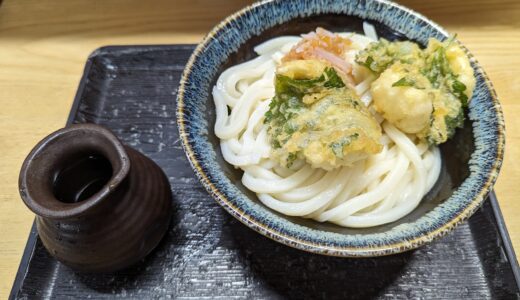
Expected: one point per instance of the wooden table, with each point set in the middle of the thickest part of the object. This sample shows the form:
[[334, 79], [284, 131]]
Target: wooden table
[[44, 45]]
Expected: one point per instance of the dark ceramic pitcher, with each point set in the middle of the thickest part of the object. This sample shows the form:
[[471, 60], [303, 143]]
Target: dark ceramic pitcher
[[100, 205]]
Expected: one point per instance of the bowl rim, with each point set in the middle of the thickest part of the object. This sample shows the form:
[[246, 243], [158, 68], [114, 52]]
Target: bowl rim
[[331, 249]]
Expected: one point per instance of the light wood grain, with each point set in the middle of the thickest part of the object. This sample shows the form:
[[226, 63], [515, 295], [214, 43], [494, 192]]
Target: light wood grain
[[44, 45]]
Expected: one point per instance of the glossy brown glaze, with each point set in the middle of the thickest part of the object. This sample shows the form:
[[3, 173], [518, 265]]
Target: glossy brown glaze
[[101, 206]]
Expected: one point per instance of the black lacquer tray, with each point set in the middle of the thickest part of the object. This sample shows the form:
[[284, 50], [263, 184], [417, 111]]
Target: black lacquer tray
[[207, 254]]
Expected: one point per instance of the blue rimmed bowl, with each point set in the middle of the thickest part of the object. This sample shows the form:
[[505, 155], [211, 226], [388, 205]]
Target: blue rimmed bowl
[[471, 160]]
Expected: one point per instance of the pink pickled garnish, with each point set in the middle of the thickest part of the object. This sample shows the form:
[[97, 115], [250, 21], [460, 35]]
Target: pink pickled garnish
[[336, 61], [326, 46]]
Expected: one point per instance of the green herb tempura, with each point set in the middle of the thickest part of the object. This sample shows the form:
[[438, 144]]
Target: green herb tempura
[[316, 117], [421, 92]]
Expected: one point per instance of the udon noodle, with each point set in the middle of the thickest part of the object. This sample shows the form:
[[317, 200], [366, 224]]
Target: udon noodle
[[371, 192]]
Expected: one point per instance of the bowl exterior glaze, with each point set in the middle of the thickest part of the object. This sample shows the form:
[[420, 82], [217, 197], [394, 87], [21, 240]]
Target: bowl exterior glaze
[[227, 39]]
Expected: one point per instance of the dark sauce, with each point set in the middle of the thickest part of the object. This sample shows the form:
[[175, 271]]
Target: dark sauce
[[82, 179]]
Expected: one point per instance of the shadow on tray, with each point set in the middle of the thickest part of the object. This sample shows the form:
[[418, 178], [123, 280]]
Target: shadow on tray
[[128, 279], [278, 271], [296, 274]]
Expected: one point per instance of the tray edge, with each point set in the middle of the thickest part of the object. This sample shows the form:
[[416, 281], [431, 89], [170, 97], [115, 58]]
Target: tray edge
[[506, 239]]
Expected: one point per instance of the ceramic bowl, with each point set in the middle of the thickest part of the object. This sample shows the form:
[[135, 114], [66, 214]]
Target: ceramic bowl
[[471, 160]]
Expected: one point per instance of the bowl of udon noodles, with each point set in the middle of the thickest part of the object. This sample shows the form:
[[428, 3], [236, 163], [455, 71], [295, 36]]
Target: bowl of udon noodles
[[343, 128]]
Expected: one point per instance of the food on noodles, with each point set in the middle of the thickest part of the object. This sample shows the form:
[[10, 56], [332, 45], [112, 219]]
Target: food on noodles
[[436, 84], [342, 127], [315, 117]]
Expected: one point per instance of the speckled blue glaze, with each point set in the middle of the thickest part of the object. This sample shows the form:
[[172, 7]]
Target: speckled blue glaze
[[484, 112]]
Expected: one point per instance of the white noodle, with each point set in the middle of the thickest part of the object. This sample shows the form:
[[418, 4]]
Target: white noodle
[[375, 191], [370, 31]]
